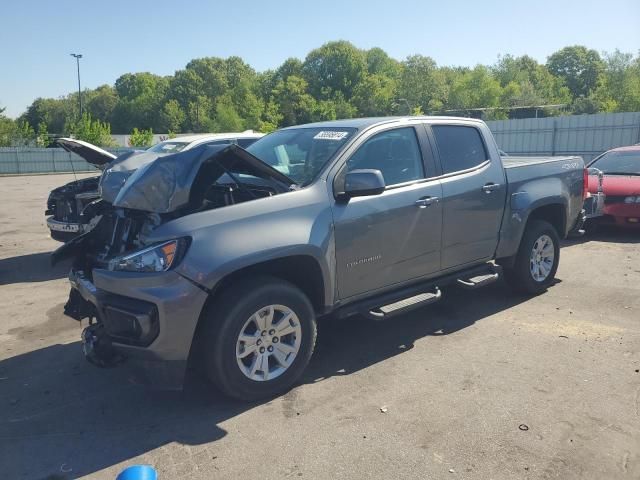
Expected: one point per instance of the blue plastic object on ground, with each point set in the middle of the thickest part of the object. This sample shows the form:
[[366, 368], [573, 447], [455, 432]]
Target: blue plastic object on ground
[[138, 472]]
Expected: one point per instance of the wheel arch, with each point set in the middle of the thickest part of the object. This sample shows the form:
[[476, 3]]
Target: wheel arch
[[301, 270], [553, 211]]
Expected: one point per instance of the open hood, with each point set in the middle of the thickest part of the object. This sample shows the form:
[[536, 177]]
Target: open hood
[[92, 154], [171, 182]]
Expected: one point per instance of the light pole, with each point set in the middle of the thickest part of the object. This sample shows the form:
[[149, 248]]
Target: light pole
[[78, 56]]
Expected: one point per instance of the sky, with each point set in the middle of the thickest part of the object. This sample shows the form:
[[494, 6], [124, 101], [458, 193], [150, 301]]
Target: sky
[[161, 36]]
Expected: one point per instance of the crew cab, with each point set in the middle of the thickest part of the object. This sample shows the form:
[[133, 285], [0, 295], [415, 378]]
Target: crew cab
[[66, 204], [227, 257]]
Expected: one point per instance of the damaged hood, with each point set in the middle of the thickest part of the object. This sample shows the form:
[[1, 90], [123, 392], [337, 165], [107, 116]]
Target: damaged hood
[[116, 174], [168, 183], [92, 154]]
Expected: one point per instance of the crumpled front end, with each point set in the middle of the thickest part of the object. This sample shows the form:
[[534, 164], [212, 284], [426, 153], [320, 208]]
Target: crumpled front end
[[141, 311], [145, 322]]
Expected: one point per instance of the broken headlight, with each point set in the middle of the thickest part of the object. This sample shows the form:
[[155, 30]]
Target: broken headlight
[[156, 258]]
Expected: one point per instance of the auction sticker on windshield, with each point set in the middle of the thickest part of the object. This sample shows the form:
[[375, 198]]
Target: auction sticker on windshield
[[330, 135]]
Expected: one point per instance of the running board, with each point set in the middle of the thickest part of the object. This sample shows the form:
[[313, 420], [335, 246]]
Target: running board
[[481, 280], [404, 305]]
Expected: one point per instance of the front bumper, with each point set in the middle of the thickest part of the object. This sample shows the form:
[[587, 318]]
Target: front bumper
[[149, 319], [621, 215]]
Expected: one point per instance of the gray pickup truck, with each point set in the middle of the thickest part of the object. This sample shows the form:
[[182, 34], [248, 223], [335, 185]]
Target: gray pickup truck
[[227, 257]]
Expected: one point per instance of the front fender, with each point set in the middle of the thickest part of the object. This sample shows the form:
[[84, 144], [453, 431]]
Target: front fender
[[231, 238]]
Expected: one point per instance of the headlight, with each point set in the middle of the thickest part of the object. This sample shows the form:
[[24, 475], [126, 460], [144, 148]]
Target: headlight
[[632, 199], [156, 258]]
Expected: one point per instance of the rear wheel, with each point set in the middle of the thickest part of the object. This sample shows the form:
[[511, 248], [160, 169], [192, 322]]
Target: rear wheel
[[258, 338], [537, 259]]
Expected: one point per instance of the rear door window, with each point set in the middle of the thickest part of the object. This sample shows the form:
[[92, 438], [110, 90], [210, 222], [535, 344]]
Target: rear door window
[[460, 147]]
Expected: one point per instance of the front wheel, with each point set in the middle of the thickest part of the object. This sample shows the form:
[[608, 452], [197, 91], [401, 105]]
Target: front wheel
[[537, 259], [258, 338]]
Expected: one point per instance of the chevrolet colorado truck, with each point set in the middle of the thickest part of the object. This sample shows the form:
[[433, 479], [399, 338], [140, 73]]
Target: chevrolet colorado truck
[[227, 257]]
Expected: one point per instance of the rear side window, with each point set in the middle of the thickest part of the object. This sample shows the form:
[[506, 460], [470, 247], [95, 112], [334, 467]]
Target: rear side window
[[460, 147]]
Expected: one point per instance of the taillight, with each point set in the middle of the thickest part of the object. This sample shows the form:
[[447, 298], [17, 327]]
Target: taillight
[[585, 183]]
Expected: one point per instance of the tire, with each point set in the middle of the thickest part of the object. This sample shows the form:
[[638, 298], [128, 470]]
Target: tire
[[521, 276], [227, 318]]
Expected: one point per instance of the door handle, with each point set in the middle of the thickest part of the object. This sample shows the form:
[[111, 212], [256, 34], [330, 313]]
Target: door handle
[[426, 201], [490, 187]]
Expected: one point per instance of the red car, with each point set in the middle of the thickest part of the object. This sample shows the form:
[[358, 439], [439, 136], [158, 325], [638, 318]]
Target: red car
[[620, 183]]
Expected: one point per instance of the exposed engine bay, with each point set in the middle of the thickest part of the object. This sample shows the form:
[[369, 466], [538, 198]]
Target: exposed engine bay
[[172, 186]]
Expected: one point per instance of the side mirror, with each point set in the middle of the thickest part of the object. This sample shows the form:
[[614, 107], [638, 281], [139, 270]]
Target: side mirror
[[363, 183]]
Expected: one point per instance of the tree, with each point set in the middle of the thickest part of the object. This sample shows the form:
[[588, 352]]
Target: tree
[[141, 98], [227, 118], [422, 84], [535, 83], [7, 130], [338, 80], [334, 67], [476, 88], [43, 139], [579, 67], [375, 95], [296, 106], [92, 131], [172, 117], [101, 102], [141, 138], [620, 88], [380, 63], [23, 135]]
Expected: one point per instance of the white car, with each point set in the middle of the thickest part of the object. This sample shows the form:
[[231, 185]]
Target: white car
[[66, 203], [186, 142]]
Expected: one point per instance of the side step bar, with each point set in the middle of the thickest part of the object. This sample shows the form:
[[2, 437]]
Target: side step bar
[[395, 302], [477, 281], [405, 305]]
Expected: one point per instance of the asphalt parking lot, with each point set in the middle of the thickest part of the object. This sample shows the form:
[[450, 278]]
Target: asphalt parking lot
[[483, 385]]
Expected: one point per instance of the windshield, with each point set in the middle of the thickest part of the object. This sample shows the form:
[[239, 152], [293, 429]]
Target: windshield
[[619, 163], [168, 147], [300, 153]]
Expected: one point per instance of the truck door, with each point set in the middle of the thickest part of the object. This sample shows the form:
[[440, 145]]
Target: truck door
[[473, 189], [393, 237]]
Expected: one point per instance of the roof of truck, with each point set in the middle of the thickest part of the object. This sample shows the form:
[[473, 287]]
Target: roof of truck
[[361, 123]]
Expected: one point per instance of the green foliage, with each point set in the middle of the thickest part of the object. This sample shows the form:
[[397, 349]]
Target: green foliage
[[141, 138], [336, 67], [337, 80], [43, 139], [24, 134], [7, 129], [579, 67], [92, 131], [227, 118], [172, 117]]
